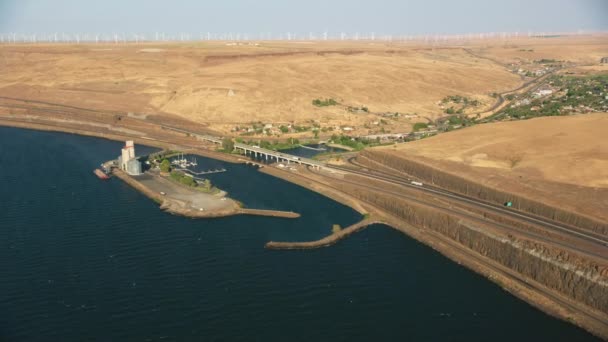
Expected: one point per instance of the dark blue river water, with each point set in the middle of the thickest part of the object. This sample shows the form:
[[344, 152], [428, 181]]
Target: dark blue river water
[[308, 152], [88, 260]]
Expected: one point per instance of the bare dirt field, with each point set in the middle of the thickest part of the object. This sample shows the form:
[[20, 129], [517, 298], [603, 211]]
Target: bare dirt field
[[561, 160]]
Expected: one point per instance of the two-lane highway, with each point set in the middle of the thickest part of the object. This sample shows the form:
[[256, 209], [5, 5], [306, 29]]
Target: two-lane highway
[[487, 206]]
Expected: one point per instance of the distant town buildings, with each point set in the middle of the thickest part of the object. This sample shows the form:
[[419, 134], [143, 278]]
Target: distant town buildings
[[542, 92], [523, 102], [127, 160]]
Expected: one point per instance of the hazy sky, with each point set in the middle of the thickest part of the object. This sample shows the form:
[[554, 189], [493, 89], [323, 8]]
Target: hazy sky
[[254, 16]]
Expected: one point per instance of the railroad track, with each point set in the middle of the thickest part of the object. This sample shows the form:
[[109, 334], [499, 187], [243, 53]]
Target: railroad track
[[543, 222], [489, 264]]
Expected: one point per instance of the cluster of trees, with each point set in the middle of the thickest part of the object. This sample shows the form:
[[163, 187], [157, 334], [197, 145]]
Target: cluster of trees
[[354, 143], [182, 178], [461, 120], [420, 125], [460, 100], [324, 103], [187, 180], [227, 145], [165, 165], [452, 110]]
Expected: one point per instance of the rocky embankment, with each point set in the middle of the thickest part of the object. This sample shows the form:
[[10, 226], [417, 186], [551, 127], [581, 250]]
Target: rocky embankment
[[576, 277], [387, 161], [581, 279]]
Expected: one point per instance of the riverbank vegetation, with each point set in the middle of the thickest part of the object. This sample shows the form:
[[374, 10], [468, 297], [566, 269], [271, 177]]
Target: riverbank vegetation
[[355, 143], [227, 145], [161, 155]]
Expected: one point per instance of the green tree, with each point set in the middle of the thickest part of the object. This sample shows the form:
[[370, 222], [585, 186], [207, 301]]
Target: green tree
[[165, 165], [228, 145], [419, 125], [187, 181]]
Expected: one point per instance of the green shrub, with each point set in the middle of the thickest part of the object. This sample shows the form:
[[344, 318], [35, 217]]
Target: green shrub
[[324, 103], [165, 165], [420, 125]]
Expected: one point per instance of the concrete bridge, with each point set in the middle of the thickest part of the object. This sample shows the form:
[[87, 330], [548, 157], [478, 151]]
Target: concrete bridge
[[270, 155], [255, 151]]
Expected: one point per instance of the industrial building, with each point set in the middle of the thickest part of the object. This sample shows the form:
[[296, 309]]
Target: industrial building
[[127, 161]]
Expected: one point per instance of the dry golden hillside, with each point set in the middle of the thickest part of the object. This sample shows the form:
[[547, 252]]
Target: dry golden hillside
[[571, 149], [226, 85], [586, 50], [558, 160]]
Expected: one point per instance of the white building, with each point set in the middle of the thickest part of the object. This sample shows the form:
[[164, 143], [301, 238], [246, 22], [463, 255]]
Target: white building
[[543, 92], [127, 159]]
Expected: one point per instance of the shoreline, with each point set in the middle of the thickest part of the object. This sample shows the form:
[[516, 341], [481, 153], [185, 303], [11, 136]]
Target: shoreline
[[548, 301], [536, 294]]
